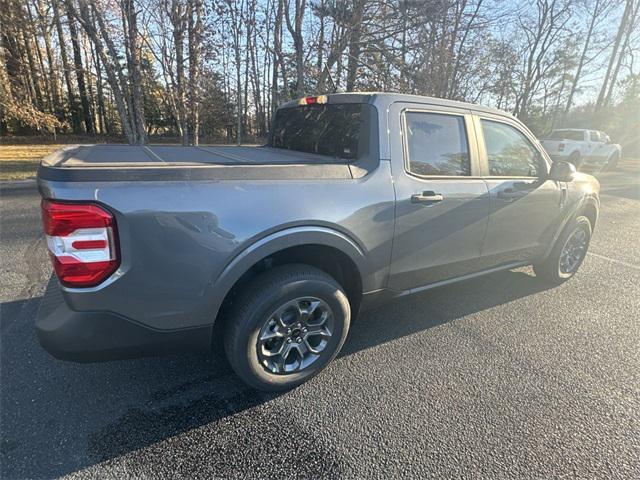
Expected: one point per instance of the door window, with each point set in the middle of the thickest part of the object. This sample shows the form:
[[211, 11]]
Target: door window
[[436, 144], [594, 136], [509, 152]]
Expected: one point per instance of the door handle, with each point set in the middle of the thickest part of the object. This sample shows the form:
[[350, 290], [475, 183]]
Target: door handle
[[428, 197], [508, 195]]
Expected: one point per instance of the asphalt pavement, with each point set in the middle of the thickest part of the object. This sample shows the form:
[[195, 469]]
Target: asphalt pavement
[[499, 377]]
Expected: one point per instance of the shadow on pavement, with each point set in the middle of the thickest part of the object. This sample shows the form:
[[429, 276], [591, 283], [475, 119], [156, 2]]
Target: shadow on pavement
[[59, 417]]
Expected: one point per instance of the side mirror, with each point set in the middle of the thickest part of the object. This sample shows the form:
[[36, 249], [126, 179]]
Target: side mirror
[[562, 172]]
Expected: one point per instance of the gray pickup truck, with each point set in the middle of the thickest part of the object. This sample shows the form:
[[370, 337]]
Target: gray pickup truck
[[355, 200]]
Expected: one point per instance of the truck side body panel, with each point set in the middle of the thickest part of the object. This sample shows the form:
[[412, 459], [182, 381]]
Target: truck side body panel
[[176, 238]]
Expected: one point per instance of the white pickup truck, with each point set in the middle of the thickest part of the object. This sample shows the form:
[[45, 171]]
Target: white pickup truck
[[583, 148]]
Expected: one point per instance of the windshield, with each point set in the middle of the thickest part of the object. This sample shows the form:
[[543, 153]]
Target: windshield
[[334, 130], [567, 135]]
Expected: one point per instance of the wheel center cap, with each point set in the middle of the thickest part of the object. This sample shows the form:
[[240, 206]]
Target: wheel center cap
[[296, 332]]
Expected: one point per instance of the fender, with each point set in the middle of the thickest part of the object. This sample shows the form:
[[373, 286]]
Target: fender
[[280, 240], [585, 201]]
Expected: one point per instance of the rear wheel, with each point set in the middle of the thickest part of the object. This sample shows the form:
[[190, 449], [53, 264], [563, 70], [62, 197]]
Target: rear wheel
[[286, 326], [568, 252], [612, 163]]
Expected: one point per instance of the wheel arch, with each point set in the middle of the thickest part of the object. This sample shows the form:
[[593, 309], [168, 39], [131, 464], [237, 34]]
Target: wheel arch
[[588, 207], [324, 248], [590, 210]]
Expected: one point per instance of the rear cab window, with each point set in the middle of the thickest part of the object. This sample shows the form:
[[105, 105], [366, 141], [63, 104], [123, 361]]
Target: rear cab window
[[436, 144], [338, 131]]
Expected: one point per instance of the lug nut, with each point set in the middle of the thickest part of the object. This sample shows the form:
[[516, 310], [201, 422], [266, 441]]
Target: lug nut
[[299, 340], [304, 330], [288, 331], [288, 340]]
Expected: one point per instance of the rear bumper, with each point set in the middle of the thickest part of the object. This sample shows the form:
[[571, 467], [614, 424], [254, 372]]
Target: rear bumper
[[100, 336]]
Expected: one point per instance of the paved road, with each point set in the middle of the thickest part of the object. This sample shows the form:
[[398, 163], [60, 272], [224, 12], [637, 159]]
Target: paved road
[[495, 378]]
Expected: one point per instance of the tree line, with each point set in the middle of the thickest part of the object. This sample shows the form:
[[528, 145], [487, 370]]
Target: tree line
[[217, 69]]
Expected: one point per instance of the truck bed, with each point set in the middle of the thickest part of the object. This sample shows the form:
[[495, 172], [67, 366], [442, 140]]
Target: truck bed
[[171, 162]]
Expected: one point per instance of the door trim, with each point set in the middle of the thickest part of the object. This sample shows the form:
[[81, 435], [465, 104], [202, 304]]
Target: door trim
[[461, 278]]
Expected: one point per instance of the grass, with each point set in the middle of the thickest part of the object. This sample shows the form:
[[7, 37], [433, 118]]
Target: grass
[[19, 162]]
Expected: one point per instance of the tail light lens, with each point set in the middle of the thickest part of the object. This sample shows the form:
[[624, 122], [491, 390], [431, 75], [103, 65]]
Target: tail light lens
[[561, 147], [82, 242]]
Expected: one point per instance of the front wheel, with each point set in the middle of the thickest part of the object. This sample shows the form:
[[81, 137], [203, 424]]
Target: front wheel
[[568, 252], [576, 159], [286, 326], [612, 163]]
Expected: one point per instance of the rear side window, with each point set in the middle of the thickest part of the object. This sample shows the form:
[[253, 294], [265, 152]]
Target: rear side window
[[567, 135], [509, 152], [436, 144], [334, 130]]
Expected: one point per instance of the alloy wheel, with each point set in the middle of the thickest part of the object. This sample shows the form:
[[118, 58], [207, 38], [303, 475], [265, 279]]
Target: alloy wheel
[[574, 250], [295, 335]]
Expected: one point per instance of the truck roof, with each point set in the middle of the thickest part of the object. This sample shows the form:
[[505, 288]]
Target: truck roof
[[384, 99]]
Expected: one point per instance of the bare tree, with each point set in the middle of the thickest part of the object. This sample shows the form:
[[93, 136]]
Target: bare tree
[[354, 43], [631, 25], [132, 46], [550, 18], [596, 10], [178, 16], [609, 81], [295, 29], [235, 11], [195, 14], [66, 69], [77, 60]]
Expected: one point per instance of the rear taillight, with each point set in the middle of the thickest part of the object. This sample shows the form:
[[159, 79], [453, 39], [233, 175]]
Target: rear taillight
[[82, 242], [561, 147]]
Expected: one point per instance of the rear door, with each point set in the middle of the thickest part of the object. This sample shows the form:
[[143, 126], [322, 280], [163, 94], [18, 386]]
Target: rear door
[[593, 144], [442, 204], [524, 204]]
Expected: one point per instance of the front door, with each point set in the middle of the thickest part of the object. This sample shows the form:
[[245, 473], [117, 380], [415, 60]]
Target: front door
[[442, 207], [524, 205]]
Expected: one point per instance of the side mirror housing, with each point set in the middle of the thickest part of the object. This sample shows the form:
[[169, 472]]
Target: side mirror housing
[[562, 172]]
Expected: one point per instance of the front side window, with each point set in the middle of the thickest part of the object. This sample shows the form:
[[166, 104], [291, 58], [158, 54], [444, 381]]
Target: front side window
[[437, 144], [509, 152], [594, 136]]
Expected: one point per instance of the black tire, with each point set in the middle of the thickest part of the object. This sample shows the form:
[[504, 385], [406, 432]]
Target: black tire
[[550, 269], [612, 163], [256, 305], [576, 159]]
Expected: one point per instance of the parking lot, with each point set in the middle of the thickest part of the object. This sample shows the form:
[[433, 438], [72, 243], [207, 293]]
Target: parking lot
[[498, 377]]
